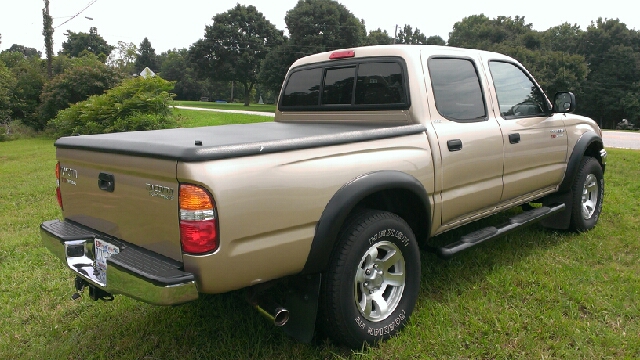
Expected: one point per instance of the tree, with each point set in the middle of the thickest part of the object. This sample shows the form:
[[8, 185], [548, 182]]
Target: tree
[[435, 40], [323, 25], [123, 57], [379, 37], [275, 66], [235, 45], [25, 51], [176, 67], [7, 82], [314, 26], [89, 76], [29, 77], [480, 32], [146, 57], [407, 35], [613, 53], [91, 42]]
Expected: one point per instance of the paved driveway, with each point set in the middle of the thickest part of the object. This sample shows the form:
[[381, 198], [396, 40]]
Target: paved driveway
[[621, 139]]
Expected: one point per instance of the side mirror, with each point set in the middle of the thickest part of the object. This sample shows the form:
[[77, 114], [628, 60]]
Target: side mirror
[[564, 102]]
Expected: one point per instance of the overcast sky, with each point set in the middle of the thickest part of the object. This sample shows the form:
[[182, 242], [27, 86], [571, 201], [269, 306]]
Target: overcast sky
[[178, 24]]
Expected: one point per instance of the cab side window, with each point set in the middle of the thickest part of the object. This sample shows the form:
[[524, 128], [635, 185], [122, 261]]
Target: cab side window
[[457, 90], [518, 96]]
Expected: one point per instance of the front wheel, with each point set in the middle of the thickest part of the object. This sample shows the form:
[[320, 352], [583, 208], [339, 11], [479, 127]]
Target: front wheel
[[371, 284], [587, 194]]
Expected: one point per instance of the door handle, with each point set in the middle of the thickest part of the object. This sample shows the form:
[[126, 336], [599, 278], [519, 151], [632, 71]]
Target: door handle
[[514, 138], [454, 144]]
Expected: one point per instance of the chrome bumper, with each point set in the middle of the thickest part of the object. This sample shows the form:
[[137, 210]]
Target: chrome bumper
[[128, 269]]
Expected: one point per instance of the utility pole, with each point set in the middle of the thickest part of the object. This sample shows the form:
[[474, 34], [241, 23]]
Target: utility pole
[[395, 34], [47, 31]]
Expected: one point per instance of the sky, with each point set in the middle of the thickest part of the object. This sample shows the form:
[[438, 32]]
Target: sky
[[178, 24]]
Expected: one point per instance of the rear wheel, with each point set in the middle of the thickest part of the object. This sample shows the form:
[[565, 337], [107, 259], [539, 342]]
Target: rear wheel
[[587, 195], [371, 284]]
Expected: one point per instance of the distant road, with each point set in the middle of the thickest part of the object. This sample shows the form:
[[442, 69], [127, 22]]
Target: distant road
[[259, 113], [621, 139]]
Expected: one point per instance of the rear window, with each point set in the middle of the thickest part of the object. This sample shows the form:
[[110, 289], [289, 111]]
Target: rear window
[[349, 85]]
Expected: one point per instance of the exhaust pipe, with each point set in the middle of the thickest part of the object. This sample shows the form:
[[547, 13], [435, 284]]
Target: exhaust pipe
[[272, 311]]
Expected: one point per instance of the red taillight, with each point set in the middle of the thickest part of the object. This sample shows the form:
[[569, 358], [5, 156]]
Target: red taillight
[[198, 220], [198, 237], [58, 194], [342, 54]]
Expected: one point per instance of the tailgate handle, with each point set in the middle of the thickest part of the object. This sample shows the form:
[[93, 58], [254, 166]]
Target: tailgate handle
[[106, 182]]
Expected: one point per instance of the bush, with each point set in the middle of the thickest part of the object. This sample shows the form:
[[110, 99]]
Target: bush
[[87, 76], [137, 104]]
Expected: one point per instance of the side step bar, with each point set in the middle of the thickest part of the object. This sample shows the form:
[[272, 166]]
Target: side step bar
[[521, 220]]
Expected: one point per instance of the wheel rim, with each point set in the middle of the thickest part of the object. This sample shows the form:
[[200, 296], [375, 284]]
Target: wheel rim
[[380, 281], [589, 196]]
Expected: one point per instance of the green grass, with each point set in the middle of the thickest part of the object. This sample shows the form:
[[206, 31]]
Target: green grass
[[227, 106], [532, 294], [194, 118]]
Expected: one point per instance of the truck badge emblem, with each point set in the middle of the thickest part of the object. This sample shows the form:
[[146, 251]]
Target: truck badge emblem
[[160, 191]]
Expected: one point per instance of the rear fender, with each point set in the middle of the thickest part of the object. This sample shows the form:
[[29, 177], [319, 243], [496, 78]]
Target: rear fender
[[362, 192]]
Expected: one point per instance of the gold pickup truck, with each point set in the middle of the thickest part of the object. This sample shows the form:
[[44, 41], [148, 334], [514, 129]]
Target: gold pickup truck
[[373, 150]]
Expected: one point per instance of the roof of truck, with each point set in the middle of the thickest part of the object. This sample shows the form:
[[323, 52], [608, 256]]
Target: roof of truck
[[404, 51]]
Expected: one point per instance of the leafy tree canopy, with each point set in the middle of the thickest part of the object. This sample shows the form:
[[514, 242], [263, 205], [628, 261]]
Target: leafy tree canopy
[[91, 42], [25, 51], [323, 25], [435, 40], [407, 35], [146, 57], [480, 32], [235, 45], [76, 83], [379, 37], [123, 57]]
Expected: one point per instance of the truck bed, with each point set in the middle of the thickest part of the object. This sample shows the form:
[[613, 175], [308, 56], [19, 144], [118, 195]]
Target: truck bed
[[229, 141]]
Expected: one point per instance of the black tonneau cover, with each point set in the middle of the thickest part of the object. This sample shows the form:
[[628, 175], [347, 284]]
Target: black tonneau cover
[[228, 141]]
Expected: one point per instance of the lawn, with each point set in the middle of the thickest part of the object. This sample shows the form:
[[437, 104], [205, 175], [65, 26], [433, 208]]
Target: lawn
[[227, 106], [532, 294], [194, 118]]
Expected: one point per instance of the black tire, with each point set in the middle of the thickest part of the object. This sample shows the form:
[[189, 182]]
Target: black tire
[[355, 292], [587, 193]]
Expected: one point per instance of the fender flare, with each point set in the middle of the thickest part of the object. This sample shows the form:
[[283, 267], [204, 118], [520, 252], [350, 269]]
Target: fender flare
[[579, 151], [345, 200]]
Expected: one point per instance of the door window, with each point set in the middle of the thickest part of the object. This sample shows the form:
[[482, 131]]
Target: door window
[[518, 96], [457, 90]]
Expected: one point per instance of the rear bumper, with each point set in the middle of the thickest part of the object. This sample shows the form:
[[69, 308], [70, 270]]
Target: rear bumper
[[121, 268]]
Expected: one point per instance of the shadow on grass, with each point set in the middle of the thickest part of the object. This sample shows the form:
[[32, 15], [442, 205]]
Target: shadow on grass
[[225, 326]]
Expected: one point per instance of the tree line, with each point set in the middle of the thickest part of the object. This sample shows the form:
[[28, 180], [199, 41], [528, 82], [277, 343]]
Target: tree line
[[243, 55]]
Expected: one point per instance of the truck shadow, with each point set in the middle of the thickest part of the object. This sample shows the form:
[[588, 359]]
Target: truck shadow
[[226, 327]]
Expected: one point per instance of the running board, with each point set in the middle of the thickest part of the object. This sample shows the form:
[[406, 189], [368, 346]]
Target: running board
[[519, 221]]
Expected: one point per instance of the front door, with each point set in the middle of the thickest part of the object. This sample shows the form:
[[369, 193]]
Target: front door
[[535, 141]]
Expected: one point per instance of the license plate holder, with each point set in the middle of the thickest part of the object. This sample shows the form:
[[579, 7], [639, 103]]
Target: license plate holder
[[103, 250]]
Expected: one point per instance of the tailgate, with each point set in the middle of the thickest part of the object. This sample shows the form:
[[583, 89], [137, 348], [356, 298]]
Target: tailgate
[[140, 208]]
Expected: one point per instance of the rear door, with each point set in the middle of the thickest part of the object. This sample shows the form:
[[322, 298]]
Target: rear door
[[535, 141], [469, 138]]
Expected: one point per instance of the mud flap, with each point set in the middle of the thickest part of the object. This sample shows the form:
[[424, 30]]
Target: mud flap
[[561, 219], [302, 302]]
